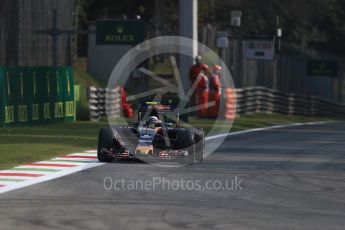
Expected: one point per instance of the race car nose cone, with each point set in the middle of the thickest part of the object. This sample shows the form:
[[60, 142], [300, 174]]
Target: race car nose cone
[[144, 150]]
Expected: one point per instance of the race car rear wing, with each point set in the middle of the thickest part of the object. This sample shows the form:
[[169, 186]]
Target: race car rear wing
[[160, 108], [157, 109]]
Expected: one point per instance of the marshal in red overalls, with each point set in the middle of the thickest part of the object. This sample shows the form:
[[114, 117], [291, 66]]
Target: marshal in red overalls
[[194, 72], [215, 91], [202, 91]]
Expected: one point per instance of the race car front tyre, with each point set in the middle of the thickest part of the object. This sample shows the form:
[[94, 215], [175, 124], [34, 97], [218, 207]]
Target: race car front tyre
[[105, 141]]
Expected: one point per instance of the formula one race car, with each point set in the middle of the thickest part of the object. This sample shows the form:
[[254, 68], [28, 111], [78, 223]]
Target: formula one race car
[[156, 135]]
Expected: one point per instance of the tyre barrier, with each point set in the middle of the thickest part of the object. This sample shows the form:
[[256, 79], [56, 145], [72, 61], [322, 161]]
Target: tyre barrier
[[230, 103], [100, 99]]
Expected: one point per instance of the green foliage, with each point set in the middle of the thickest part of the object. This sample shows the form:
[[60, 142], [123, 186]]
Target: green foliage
[[119, 9], [84, 80], [316, 24]]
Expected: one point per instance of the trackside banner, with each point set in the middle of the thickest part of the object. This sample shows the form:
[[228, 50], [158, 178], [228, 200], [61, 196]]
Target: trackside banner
[[36, 95]]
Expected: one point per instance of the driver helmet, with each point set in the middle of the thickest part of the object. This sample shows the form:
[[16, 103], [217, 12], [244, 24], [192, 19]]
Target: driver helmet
[[152, 121]]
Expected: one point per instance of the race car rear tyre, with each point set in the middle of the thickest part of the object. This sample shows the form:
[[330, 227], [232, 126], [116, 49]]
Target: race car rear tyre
[[199, 138], [159, 142], [185, 141], [105, 141]]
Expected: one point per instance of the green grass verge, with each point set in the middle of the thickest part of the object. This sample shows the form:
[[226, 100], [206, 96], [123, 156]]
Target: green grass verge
[[20, 145]]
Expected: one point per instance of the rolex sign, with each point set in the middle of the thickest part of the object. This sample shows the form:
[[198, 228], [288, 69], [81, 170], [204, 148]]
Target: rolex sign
[[119, 32]]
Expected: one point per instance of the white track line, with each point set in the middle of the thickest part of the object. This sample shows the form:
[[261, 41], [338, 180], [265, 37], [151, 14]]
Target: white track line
[[265, 128], [62, 162], [86, 160], [83, 154], [90, 163], [7, 182]]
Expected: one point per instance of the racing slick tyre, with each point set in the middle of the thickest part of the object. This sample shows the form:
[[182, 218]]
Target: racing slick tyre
[[159, 143], [185, 141], [105, 141], [199, 139]]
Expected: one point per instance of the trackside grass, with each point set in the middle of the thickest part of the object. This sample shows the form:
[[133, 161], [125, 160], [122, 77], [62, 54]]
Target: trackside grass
[[20, 145]]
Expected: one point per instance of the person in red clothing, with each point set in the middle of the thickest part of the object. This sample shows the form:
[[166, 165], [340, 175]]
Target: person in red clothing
[[194, 72], [215, 91], [196, 69], [126, 107], [201, 93]]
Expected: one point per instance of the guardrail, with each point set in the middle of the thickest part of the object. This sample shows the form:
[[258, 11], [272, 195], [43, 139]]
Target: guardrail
[[100, 98], [248, 101], [264, 100]]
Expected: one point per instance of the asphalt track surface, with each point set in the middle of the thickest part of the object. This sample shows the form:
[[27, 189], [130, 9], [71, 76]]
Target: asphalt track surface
[[287, 178]]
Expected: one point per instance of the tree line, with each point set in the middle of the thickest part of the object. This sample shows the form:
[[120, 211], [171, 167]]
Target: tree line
[[311, 24]]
